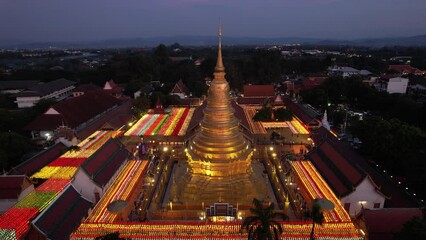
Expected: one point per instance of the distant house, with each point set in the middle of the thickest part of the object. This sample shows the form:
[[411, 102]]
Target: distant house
[[308, 115], [61, 217], [37, 162], [12, 189], [383, 224], [405, 69], [392, 84], [58, 90], [313, 80], [84, 88], [180, 90], [352, 178], [78, 117], [13, 87], [345, 71], [95, 174], [257, 94], [354, 188], [113, 89]]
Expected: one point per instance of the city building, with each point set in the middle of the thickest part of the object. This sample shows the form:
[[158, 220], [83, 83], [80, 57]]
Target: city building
[[392, 84], [13, 188], [405, 69], [78, 117], [57, 90], [16, 86]]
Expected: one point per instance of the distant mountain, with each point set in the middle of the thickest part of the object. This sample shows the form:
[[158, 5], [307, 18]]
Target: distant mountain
[[418, 41]]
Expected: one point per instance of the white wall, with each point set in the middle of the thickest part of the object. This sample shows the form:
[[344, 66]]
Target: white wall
[[26, 102], [85, 186], [5, 204], [365, 195], [397, 85]]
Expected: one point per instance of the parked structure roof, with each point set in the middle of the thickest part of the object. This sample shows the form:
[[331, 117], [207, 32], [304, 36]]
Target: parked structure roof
[[259, 91], [63, 216], [11, 186], [35, 163], [102, 165]]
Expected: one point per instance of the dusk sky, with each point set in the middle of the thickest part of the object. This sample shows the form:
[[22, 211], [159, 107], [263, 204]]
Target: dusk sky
[[74, 20]]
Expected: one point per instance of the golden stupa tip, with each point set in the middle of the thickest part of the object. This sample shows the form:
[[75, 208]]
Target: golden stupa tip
[[219, 64]]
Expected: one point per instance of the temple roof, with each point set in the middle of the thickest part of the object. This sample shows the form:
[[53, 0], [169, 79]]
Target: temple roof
[[103, 164], [74, 111], [63, 216], [259, 91], [384, 223], [35, 163], [11, 186]]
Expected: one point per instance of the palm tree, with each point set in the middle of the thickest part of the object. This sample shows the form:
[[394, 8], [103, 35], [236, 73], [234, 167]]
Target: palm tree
[[262, 225], [317, 217]]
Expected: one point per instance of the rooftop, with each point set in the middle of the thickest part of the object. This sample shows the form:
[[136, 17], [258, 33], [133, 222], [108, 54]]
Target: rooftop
[[259, 91], [64, 215], [102, 165], [74, 111], [44, 89]]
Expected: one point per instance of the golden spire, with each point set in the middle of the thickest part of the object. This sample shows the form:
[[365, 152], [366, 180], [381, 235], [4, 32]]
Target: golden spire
[[219, 64]]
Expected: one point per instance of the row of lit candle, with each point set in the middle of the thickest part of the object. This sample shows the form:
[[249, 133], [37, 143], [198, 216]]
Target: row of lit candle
[[121, 189], [197, 230], [255, 126]]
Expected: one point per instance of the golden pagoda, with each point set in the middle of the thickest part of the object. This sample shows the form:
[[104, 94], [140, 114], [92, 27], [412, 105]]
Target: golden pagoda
[[219, 156]]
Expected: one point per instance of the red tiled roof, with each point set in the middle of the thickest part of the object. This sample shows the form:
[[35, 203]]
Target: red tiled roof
[[259, 91], [382, 224], [397, 197], [190, 102], [11, 186], [64, 215], [102, 165], [180, 88], [352, 173], [115, 118], [312, 82], [40, 160], [253, 100], [302, 115], [403, 68], [240, 115], [197, 116], [341, 174], [75, 111], [86, 88]]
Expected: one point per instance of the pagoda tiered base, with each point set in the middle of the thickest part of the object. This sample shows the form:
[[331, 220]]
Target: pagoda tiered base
[[197, 187]]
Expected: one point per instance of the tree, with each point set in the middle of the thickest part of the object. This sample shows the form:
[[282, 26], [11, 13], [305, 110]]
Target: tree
[[282, 114], [316, 215], [413, 229], [262, 225], [110, 236], [263, 115], [140, 105], [13, 147]]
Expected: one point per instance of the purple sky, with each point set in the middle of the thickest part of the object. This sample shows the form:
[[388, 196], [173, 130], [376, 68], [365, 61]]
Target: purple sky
[[70, 20]]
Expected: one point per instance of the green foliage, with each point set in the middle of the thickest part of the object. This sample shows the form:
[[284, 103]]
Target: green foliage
[[110, 236], [283, 114], [12, 147], [398, 146], [266, 114], [41, 106], [414, 229], [263, 115], [262, 224], [140, 105], [316, 215]]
